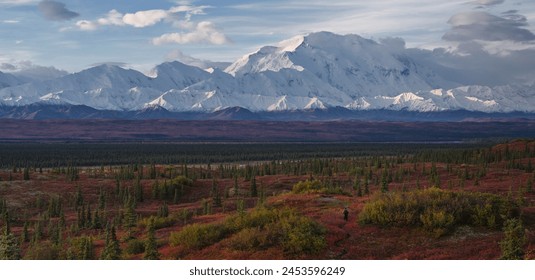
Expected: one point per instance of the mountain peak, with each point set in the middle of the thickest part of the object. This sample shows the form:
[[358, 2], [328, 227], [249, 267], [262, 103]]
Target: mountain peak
[[315, 71], [177, 75], [290, 45]]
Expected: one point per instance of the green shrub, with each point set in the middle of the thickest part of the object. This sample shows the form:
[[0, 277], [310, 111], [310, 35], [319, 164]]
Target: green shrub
[[300, 235], [260, 217], [308, 186], [198, 236], [135, 246], [438, 211], [184, 215], [316, 186], [81, 248], [181, 181], [437, 221], [258, 229], [43, 251], [159, 222], [253, 239]]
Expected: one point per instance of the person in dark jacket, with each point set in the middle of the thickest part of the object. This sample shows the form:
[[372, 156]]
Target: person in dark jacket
[[346, 214]]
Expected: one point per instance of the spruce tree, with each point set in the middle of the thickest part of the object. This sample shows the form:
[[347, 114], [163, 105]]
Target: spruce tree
[[87, 250], [176, 197], [236, 190], [514, 240], [152, 172], [9, 247], [25, 234], [112, 250], [151, 246], [101, 200], [26, 175], [138, 190], [217, 202], [163, 211], [254, 189], [79, 198], [384, 182], [129, 218]]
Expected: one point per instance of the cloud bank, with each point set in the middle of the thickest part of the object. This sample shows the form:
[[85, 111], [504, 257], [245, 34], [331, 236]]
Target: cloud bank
[[486, 3], [204, 32], [180, 17], [469, 26], [16, 2], [56, 11]]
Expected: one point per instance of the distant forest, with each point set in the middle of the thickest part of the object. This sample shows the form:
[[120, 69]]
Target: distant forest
[[83, 154]]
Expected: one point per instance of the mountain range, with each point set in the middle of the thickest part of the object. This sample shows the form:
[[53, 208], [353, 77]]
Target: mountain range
[[345, 74]]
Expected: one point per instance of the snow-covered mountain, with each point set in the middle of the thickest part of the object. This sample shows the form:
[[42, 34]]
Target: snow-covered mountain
[[9, 80], [317, 71], [36, 73]]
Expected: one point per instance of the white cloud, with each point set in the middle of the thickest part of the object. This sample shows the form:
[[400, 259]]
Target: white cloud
[[17, 2], [86, 25], [112, 18], [11, 21], [488, 2], [193, 10], [145, 18], [410, 18], [179, 17], [142, 19], [205, 32]]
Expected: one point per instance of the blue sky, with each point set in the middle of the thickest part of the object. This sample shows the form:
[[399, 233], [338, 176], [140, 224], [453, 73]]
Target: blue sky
[[76, 34]]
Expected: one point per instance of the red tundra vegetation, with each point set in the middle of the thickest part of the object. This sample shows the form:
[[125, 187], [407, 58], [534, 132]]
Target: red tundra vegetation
[[270, 210]]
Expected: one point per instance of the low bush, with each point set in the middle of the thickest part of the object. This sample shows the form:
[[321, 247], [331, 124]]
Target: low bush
[[438, 211], [181, 181], [301, 235], [159, 222], [197, 236], [259, 229], [253, 239], [317, 186], [135, 246], [43, 251]]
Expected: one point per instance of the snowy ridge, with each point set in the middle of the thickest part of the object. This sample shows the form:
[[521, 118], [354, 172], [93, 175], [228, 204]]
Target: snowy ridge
[[318, 71], [8, 80]]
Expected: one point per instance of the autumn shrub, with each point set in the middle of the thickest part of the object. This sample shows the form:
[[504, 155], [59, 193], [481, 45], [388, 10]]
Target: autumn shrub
[[301, 235], [317, 186], [253, 239], [258, 229], [438, 211], [135, 246], [81, 248], [265, 227], [259, 217], [308, 186], [181, 181], [184, 215], [197, 236], [45, 250], [437, 221], [159, 222]]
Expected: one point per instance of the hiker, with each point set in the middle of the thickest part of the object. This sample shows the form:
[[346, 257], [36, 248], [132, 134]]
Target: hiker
[[346, 213]]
